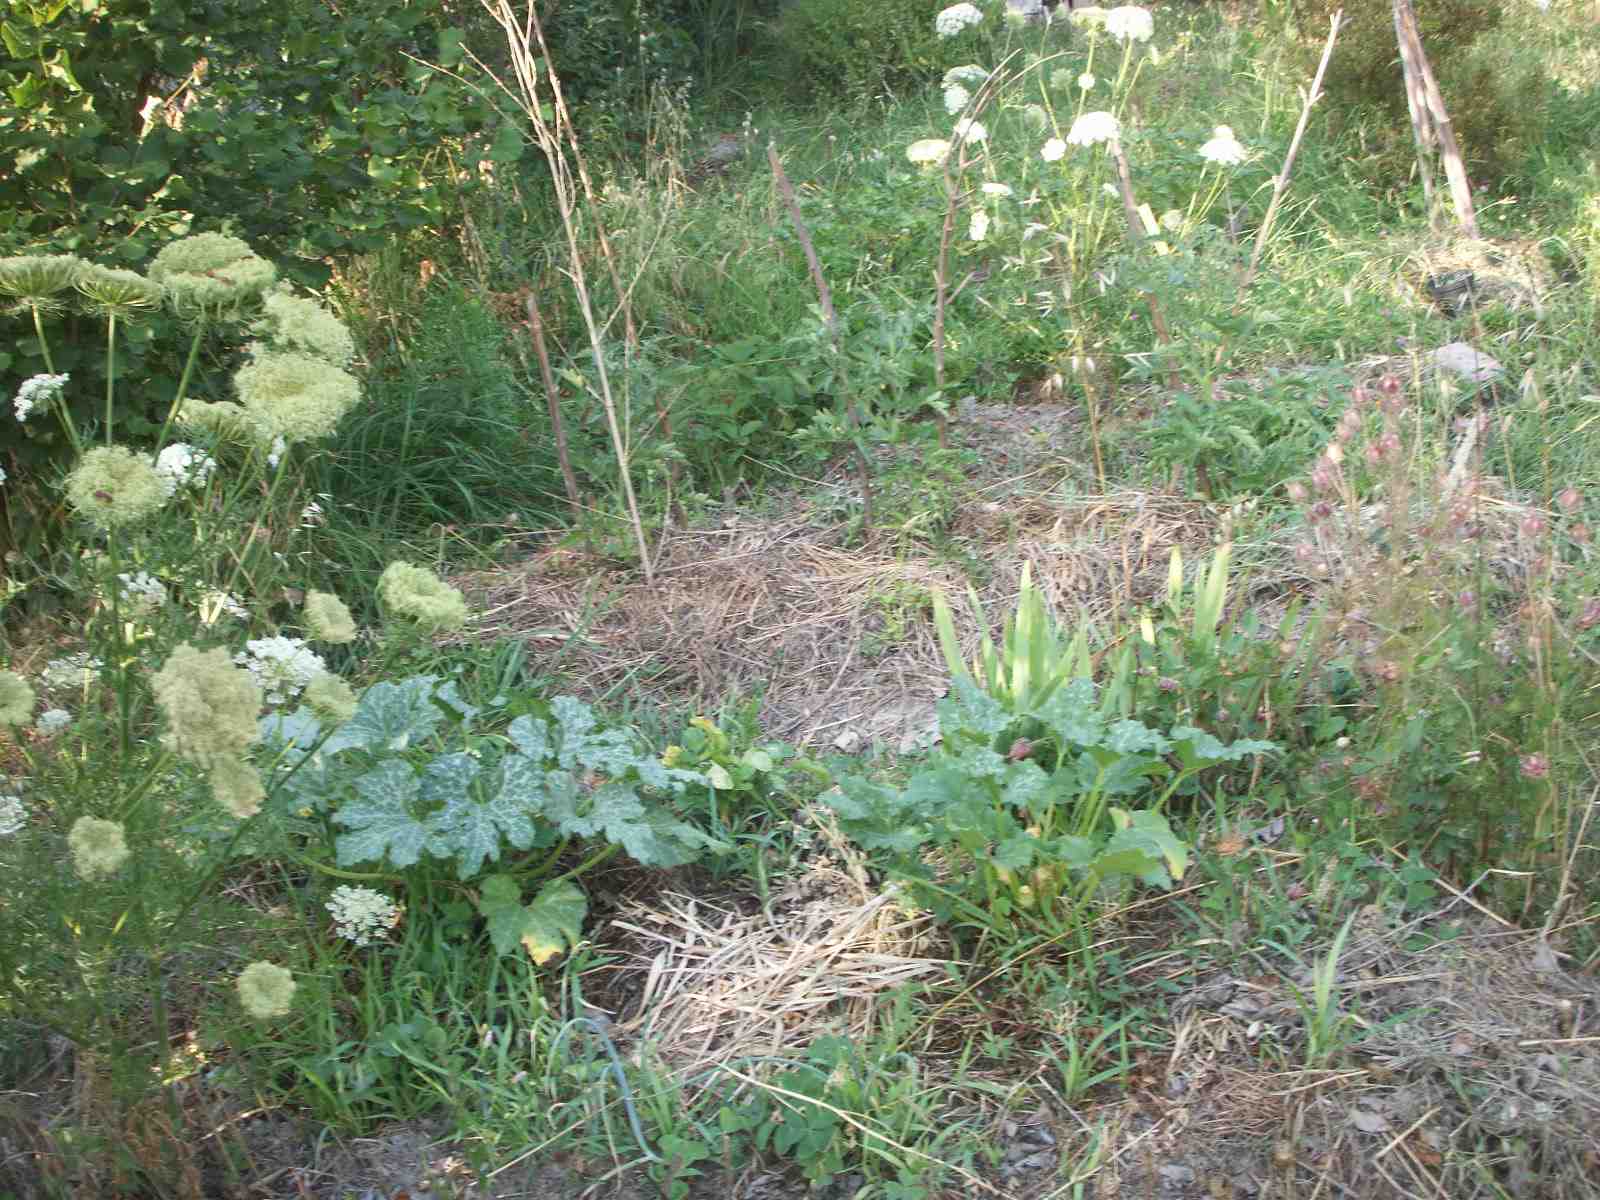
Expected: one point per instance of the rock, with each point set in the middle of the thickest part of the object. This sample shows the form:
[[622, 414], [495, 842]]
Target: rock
[[1467, 363]]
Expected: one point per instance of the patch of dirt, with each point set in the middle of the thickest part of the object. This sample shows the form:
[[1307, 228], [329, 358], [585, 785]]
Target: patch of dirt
[[1471, 1071]]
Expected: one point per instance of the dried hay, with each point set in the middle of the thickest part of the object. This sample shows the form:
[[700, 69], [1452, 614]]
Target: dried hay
[[720, 984], [778, 607]]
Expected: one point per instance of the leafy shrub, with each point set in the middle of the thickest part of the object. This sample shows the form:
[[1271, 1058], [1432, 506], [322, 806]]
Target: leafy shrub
[[409, 777], [303, 124], [1016, 807]]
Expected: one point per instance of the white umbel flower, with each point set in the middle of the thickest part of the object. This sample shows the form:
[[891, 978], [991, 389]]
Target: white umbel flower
[[956, 98], [997, 189], [1223, 148], [971, 75], [978, 226], [361, 914], [927, 150], [40, 389], [1130, 23], [1053, 150], [1090, 17], [956, 18], [1092, 128], [282, 666], [180, 465], [968, 130]]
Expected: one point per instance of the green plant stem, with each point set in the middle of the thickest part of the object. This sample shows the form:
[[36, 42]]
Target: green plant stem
[[594, 860], [111, 371], [62, 414], [339, 872], [255, 524], [183, 386], [123, 660]]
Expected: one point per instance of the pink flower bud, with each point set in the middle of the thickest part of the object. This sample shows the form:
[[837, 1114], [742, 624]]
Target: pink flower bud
[[1389, 383], [1570, 499], [1373, 454], [1534, 766], [1532, 525], [1297, 491]]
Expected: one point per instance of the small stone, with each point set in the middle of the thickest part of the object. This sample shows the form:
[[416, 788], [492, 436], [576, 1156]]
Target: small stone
[[1467, 363]]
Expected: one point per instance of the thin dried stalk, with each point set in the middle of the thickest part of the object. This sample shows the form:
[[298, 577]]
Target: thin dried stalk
[[852, 413], [520, 41], [1280, 181]]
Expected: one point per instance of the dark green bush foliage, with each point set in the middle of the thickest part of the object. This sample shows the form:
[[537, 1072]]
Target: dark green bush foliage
[[1497, 103], [849, 49], [302, 125]]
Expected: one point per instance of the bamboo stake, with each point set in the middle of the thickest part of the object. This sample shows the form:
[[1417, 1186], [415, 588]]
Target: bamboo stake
[[1423, 135], [1280, 181], [825, 300], [1415, 62]]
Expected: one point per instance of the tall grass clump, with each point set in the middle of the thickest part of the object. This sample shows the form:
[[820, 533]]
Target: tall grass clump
[[451, 435]]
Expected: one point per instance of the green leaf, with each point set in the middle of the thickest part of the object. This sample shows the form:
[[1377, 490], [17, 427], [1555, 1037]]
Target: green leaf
[[1151, 829], [970, 712], [1130, 737], [554, 920], [508, 144], [390, 716], [472, 828], [544, 928], [380, 821], [500, 903], [532, 736], [611, 751], [1197, 748], [1016, 852], [1072, 714]]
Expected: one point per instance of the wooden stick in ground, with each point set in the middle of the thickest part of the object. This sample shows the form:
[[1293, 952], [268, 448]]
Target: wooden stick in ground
[[825, 300], [553, 399], [1416, 61], [1280, 181], [1423, 135]]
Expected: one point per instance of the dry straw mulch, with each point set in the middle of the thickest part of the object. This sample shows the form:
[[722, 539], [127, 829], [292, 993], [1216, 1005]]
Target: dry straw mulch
[[716, 984], [778, 606]]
